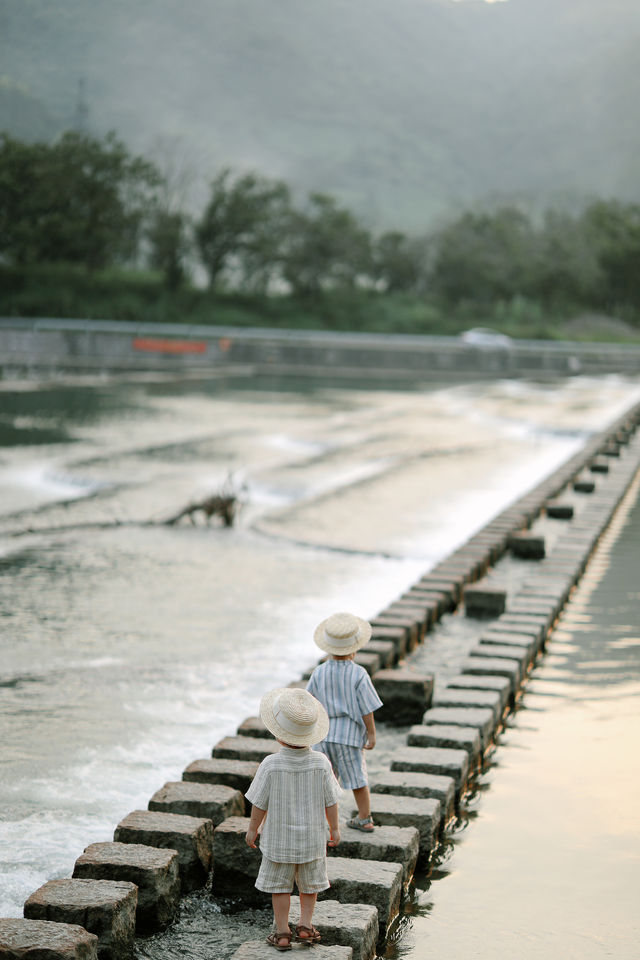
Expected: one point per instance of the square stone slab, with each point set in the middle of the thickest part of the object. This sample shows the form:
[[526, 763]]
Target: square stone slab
[[395, 635], [405, 696], [235, 865], [448, 738], [245, 748], [393, 811], [385, 649], [487, 699], [517, 655], [353, 925], [106, 908], [154, 872], [484, 602], [211, 801], [494, 666], [393, 844], [448, 763], [408, 625], [518, 641], [404, 783], [192, 837], [366, 881], [230, 773], [46, 940], [501, 685], [260, 950], [254, 727], [482, 718]]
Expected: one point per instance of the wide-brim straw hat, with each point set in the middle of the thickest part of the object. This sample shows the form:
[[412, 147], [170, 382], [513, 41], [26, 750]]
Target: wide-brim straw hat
[[342, 634], [294, 716]]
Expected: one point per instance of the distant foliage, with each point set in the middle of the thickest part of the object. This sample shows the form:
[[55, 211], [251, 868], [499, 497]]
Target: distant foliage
[[91, 204]]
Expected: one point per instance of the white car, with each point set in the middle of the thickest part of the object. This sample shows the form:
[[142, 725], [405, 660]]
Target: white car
[[485, 337]]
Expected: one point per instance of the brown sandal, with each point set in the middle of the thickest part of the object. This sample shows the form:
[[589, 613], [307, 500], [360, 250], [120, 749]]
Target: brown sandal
[[274, 937], [313, 935]]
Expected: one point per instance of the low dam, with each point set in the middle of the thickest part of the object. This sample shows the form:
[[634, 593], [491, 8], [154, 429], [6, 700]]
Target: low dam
[[450, 657], [46, 347]]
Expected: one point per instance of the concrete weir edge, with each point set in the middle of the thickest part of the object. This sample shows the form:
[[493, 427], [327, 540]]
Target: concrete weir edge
[[192, 835]]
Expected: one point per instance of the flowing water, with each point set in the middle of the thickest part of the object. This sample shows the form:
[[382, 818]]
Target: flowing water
[[129, 647]]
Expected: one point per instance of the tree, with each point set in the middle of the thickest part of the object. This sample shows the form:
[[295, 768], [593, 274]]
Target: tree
[[79, 200], [614, 232], [397, 262], [169, 246], [327, 249], [241, 229]]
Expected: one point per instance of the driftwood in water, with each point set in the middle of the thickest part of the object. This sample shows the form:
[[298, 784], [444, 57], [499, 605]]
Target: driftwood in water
[[223, 505]]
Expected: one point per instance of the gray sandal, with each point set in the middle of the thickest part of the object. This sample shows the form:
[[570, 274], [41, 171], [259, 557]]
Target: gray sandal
[[366, 824]]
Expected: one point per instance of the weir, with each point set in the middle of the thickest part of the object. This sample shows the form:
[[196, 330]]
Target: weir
[[195, 830]]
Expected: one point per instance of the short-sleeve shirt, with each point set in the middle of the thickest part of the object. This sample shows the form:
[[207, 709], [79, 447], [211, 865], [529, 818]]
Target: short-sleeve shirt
[[345, 690], [294, 787]]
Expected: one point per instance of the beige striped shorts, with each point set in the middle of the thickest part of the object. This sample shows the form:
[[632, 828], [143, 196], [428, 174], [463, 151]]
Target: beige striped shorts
[[311, 877]]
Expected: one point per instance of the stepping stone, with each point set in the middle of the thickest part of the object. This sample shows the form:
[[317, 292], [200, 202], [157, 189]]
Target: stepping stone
[[422, 613], [484, 602], [353, 925], [448, 738], [155, 873], [447, 763], [235, 865], [599, 466], [366, 881], [231, 773], [527, 546], [583, 485], [518, 641], [409, 625], [407, 784], [245, 748], [398, 636], [504, 652], [192, 837], [405, 695], [501, 685], [481, 718], [439, 601], [106, 908], [211, 801], [533, 631], [487, 699], [385, 649], [45, 940], [257, 950], [494, 666], [394, 844], [368, 659], [389, 810], [559, 510], [450, 586], [254, 727]]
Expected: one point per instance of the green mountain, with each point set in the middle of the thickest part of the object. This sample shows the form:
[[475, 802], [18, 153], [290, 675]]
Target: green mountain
[[404, 109]]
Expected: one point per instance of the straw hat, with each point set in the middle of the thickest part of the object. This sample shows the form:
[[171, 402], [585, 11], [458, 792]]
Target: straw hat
[[342, 633], [294, 716]]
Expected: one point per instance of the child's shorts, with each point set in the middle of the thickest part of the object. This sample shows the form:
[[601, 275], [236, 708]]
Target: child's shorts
[[348, 763], [311, 877]]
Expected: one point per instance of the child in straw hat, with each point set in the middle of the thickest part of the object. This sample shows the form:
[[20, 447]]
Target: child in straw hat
[[292, 794], [345, 690]]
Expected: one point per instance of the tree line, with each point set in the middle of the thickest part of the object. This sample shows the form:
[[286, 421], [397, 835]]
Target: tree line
[[91, 203]]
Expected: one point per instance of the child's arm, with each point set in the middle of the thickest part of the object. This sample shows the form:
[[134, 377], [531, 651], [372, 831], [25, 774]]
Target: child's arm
[[371, 731], [257, 816], [332, 819]]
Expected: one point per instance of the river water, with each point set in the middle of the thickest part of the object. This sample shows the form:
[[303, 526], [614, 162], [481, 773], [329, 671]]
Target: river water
[[128, 647]]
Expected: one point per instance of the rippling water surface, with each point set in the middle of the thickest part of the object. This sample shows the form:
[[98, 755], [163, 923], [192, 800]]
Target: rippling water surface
[[128, 647]]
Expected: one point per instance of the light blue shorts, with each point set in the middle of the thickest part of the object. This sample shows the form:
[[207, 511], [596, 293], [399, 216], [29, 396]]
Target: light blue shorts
[[348, 763]]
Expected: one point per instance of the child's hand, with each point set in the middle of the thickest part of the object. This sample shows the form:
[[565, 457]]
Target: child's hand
[[335, 838], [371, 742], [250, 838]]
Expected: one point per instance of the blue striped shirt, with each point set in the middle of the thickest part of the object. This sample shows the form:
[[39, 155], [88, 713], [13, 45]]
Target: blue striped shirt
[[345, 690]]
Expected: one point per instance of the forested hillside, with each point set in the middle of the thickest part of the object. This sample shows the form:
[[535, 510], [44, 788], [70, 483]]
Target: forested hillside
[[402, 109]]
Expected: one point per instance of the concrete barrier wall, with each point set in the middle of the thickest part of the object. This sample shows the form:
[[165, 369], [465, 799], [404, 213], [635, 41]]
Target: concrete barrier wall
[[196, 821], [50, 346]]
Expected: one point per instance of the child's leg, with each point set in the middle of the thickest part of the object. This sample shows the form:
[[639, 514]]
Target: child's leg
[[281, 903], [363, 801], [307, 906]]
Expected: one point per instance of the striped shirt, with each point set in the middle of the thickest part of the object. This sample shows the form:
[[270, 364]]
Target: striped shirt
[[345, 690], [294, 787]]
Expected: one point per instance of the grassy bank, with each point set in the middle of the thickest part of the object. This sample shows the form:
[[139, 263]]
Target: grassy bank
[[65, 292]]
